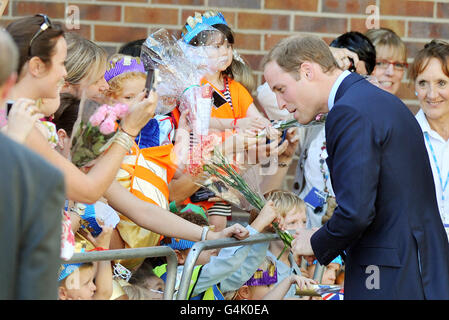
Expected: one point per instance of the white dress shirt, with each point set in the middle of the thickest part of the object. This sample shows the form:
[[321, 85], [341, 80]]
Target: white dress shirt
[[441, 150]]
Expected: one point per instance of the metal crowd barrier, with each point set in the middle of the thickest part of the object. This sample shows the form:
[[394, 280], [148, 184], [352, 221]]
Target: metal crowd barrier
[[198, 247], [147, 252]]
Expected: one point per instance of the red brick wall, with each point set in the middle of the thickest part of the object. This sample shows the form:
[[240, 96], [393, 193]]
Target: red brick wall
[[258, 24]]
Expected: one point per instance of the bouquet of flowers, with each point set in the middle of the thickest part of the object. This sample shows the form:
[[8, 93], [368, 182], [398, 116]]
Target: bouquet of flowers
[[93, 130], [181, 68], [227, 182]]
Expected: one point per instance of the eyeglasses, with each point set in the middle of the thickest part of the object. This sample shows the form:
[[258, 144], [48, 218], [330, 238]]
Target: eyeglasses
[[384, 64], [44, 26]]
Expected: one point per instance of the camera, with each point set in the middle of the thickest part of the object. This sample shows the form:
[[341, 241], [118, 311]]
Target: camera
[[9, 104]]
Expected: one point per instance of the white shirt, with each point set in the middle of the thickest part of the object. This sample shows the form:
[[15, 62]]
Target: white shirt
[[333, 93], [441, 150], [312, 168], [314, 177]]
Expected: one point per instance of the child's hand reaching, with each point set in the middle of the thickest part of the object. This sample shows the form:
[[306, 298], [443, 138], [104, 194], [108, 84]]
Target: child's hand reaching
[[103, 240], [281, 289], [251, 123], [302, 282], [140, 113], [236, 231], [266, 216]]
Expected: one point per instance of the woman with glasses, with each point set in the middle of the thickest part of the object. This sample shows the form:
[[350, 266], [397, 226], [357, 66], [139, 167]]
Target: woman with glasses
[[430, 74], [391, 58]]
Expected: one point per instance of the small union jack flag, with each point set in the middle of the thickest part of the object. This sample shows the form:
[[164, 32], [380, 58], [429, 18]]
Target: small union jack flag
[[334, 295]]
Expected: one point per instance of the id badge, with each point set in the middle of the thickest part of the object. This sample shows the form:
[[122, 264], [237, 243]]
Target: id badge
[[315, 199]]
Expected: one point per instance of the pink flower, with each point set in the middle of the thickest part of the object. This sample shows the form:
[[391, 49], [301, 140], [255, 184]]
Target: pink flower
[[120, 110], [99, 115], [108, 125]]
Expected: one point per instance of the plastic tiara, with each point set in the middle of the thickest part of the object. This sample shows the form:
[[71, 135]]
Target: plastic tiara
[[125, 64], [178, 244], [336, 260], [67, 269], [200, 23], [263, 278]]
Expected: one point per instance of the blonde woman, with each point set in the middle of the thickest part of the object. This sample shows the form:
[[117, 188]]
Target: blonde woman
[[391, 58], [86, 65]]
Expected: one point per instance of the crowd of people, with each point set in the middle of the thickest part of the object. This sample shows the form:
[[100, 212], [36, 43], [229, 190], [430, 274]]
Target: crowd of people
[[370, 185]]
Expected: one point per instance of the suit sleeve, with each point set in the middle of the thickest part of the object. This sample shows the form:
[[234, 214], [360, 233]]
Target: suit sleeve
[[41, 235], [354, 163]]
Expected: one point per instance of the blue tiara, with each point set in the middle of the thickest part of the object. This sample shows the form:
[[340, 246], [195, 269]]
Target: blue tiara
[[201, 23], [178, 244], [336, 260], [67, 269], [218, 18]]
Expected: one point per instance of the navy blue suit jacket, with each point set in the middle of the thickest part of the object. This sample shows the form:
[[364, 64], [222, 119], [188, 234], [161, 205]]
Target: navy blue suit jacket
[[387, 220]]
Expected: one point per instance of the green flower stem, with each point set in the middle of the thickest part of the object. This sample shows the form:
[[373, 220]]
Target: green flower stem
[[233, 179]]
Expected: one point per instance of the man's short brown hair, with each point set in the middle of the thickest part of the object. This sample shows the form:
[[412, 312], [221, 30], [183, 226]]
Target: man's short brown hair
[[291, 52]]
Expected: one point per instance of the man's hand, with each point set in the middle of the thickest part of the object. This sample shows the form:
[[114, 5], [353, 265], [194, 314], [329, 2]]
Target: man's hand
[[301, 246]]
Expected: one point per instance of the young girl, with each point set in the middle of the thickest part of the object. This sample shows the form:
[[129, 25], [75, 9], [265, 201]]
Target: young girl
[[233, 105], [148, 168]]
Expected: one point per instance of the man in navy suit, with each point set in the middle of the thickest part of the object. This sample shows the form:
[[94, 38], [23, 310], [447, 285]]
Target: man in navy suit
[[386, 225]]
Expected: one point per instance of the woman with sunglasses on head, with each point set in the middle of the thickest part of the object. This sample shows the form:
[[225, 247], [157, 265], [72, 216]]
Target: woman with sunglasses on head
[[430, 74], [43, 51], [41, 73], [391, 58]]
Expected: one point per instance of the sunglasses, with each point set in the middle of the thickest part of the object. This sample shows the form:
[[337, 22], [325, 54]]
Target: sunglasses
[[44, 26], [384, 64]]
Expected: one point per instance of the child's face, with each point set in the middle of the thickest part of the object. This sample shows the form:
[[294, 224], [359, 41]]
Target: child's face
[[156, 287], [80, 284], [294, 219], [131, 88], [258, 292], [205, 255], [220, 53], [329, 275]]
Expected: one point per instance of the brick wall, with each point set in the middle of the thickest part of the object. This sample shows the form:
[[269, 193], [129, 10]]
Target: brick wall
[[258, 24]]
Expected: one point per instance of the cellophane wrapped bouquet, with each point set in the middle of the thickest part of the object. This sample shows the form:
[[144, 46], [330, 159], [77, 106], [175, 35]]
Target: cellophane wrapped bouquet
[[181, 68], [94, 129]]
